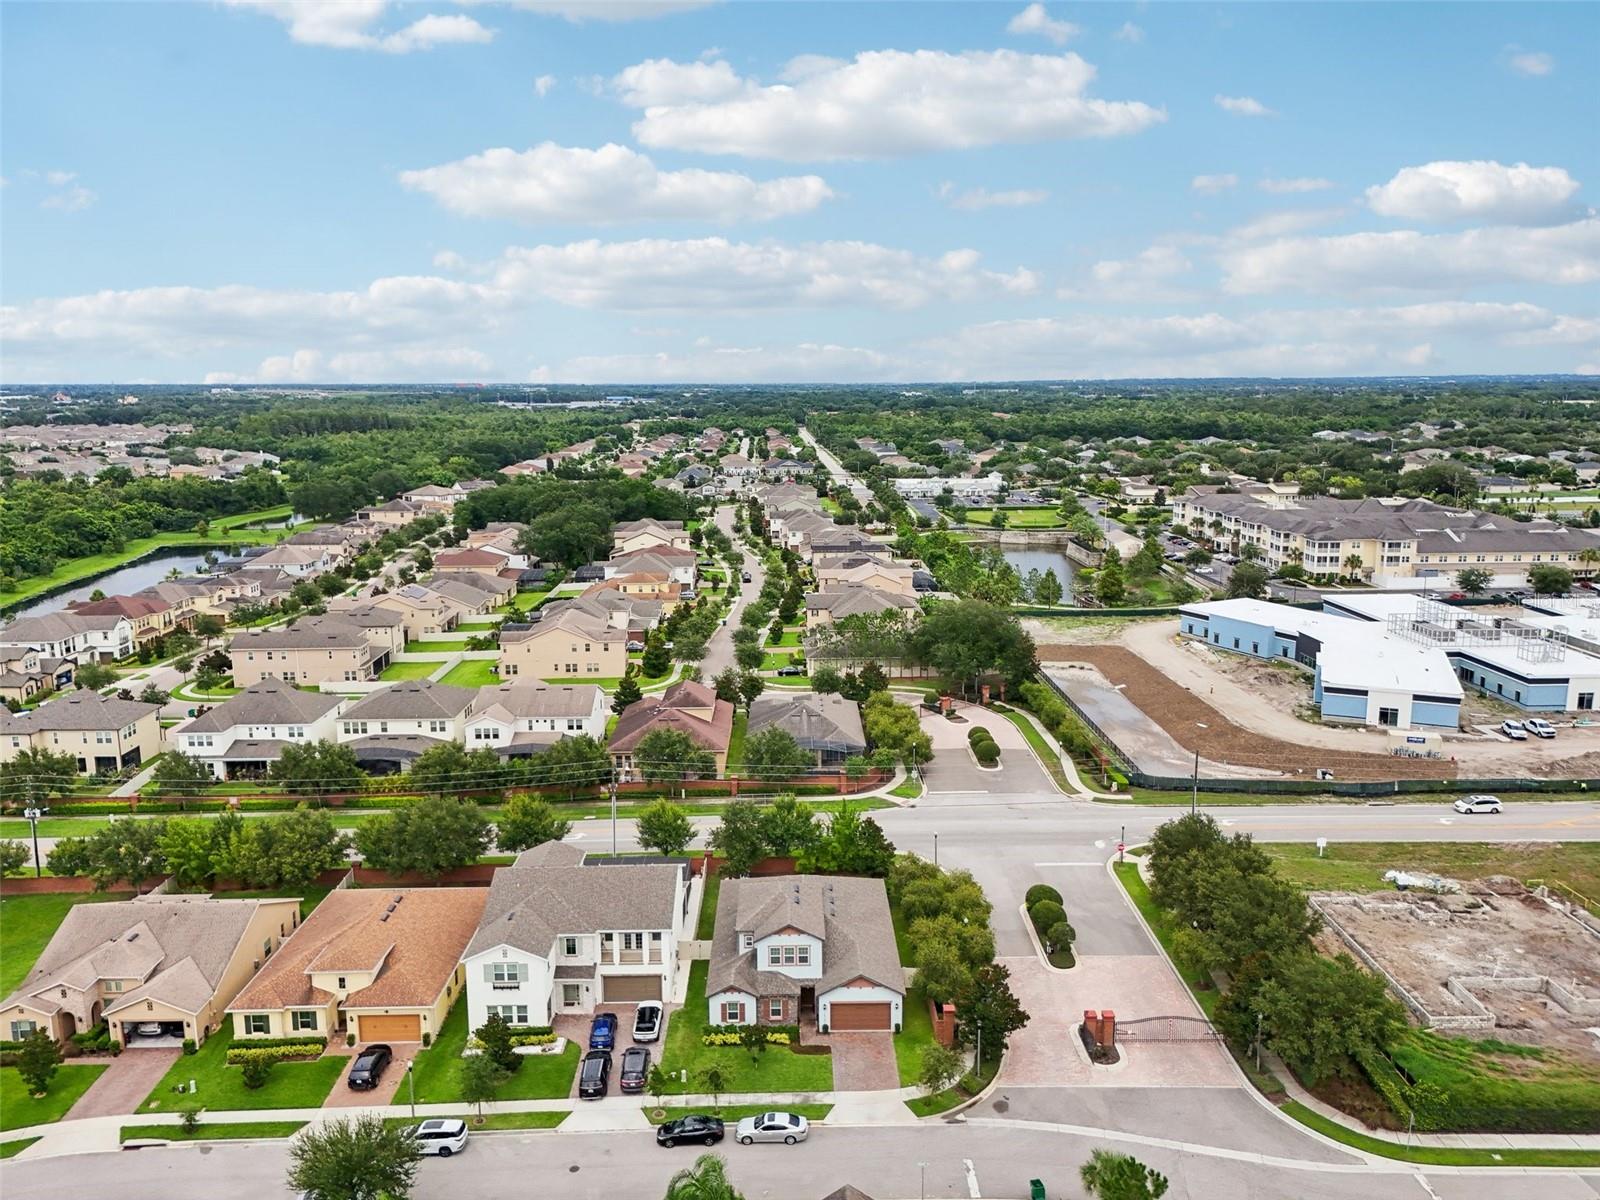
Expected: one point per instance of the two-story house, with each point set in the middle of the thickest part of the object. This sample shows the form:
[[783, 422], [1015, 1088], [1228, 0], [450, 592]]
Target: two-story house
[[245, 734], [792, 947], [379, 964], [523, 719], [559, 936], [686, 707], [314, 650], [567, 644], [71, 635], [172, 961], [103, 733], [388, 728], [647, 534]]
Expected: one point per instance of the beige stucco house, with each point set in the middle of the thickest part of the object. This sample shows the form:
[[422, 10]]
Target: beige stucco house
[[565, 645], [103, 733]]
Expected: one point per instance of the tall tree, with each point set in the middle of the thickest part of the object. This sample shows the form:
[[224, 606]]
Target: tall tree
[[123, 850], [529, 820], [665, 828], [358, 1158], [179, 777], [316, 769], [434, 835], [740, 838], [789, 827], [774, 754], [36, 776], [989, 1010], [672, 756]]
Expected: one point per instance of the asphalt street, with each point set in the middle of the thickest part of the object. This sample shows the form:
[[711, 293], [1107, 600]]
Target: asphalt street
[[719, 650], [981, 1158]]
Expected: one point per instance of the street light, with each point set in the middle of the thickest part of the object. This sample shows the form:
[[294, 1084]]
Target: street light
[[614, 817], [922, 1186], [936, 847], [33, 815], [411, 1082], [1194, 797]]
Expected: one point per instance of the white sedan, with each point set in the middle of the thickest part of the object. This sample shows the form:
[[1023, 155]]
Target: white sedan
[[784, 1127], [1477, 804]]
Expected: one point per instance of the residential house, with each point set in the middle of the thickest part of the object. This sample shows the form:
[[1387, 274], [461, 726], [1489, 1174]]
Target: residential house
[[77, 636], [1139, 490], [296, 561], [643, 585], [484, 561], [103, 733], [647, 534], [24, 673], [838, 572], [245, 734], [517, 720], [678, 565], [422, 612], [561, 936], [685, 707], [150, 616], [432, 498], [634, 615], [396, 514], [1588, 471], [172, 960], [379, 964], [565, 644], [388, 728], [314, 650], [826, 726], [824, 608], [788, 947], [497, 588]]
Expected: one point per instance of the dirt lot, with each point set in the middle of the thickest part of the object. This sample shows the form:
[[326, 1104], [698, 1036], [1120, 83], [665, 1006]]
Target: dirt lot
[[1494, 928]]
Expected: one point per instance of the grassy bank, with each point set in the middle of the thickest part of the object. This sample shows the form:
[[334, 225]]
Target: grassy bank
[[1359, 866], [1439, 1156]]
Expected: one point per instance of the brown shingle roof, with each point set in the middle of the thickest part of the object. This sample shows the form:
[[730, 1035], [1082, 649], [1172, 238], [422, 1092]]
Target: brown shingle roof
[[418, 946]]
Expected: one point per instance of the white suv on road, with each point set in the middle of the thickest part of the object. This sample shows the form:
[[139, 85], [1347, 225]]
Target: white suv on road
[[443, 1136], [1478, 804]]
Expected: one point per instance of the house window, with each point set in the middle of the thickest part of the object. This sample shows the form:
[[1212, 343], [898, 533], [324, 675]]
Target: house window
[[775, 955], [774, 1010], [504, 974], [569, 947], [802, 955], [633, 941], [1388, 716], [341, 983], [571, 995], [257, 1023], [22, 1030], [113, 985], [303, 1019], [732, 1012], [511, 1014]]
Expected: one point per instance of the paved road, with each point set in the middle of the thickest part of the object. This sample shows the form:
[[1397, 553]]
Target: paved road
[[719, 651], [983, 1158], [836, 469]]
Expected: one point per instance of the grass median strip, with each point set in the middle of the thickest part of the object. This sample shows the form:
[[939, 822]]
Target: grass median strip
[[492, 1122], [7, 1149], [212, 1132], [1439, 1156]]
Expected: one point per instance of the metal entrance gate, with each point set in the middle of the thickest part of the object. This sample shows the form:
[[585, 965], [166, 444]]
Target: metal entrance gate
[[1150, 1030]]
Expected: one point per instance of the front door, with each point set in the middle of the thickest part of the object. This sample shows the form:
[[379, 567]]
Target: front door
[[808, 1000]]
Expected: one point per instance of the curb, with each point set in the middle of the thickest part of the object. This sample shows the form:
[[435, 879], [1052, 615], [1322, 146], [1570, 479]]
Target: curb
[[1038, 946]]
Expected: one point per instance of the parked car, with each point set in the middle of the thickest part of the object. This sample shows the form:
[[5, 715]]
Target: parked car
[[442, 1136], [791, 670], [1514, 730], [1203, 571], [1477, 804], [693, 1128], [594, 1075], [784, 1127], [745, 575], [603, 1031], [636, 644], [369, 1066], [647, 1021], [1539, 727], [635, 1069], [148, 1028]]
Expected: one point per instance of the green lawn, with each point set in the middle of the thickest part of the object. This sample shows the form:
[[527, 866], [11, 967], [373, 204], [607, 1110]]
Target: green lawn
[[705, 927], [1440, 1155], [225, 532], [1018, 518], [496, 1121], [206, 1133], [486, 625], [914, 1038], [27, 924], [1359, 866], [778, 1069], [968, 1086], [908, 788], [790, 640], [434, 647], [774, 659], [415, 670], [540, 1077], [7, 1149], [741, 724], [735, 1112], [609, 682], [291, 1084], [476, 672], [18, 1110], [528, 601]]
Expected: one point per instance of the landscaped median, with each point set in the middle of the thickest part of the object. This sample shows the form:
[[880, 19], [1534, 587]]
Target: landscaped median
[[211, 1132], [492, 1122]]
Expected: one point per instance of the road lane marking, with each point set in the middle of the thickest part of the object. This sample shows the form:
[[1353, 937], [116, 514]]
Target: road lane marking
[[1425, 1186], [972, 1179], [1096, 863]]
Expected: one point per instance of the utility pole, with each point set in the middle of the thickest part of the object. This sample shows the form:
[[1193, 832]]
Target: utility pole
[[33, 815], [936, 847], [614, 818], [1194, 796]]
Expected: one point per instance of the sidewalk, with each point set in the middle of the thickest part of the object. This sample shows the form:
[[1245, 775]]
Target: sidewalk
[[96, 1135]]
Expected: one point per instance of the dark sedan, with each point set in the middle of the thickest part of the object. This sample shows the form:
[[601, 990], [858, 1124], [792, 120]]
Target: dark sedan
[[594, 1075], [369, 1066], [635, 1069], [707, 1131]]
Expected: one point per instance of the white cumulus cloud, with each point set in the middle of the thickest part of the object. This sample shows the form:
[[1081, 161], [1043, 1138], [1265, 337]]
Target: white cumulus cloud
[[1242, 106], [357, 25], [1409, 260], [543, 85], [881, 104], [604, 186], [1129, 32], [1481, 190], [1289, 187], [1036, 21], [607, 11], [1211, 185], [979, 198]]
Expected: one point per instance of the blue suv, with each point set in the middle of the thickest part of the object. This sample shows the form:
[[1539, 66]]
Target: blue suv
[[603, 1032]]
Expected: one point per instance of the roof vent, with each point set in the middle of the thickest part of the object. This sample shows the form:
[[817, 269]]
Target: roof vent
[[133, 937], [390, 909], [383, 918], [399, 896]]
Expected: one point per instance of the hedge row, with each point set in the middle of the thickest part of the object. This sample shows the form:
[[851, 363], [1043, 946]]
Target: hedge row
[[308, 1039], [239, 1056], [774, 1038], [791, 1032], [984, 747], [533, 1039]]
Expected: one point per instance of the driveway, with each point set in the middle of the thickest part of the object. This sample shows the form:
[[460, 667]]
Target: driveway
[[575, 1028], [954, 770], [123, 1086], [389, 1084], [863, 1062]]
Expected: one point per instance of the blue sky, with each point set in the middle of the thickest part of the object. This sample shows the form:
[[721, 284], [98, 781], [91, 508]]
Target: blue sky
[[277, 191]]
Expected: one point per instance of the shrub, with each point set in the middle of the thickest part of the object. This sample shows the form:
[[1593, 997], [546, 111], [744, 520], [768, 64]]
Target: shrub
[[189, 1122], [256, 1072], [533, 1039], [987, 754], [305, 1039], [1060, 936], [775, 1037], [1041, 891], [190, 1046], [349, 1039], [1045, 914], [931, 699], [246, 1056]]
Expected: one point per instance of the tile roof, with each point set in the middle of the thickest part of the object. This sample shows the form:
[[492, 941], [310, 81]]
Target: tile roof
[[411, 700], [414, 947], [530, 906], [680, 708], [270, 702], [816, 722]]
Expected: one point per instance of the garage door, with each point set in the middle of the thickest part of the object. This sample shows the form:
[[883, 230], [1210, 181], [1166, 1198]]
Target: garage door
[[391, 1029], [857, 1016], [632, 987]]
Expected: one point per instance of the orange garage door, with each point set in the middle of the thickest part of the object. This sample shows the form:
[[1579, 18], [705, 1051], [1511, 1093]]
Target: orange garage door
[[391, 1029], [857, 1016]]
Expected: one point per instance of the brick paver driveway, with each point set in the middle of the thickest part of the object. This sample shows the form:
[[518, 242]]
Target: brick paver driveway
[[123, 1086], [389, 1086], [864, 1062]]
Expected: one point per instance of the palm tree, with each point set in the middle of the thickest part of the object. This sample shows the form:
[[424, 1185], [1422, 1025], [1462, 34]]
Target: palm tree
[[1352, 564], [706, 1180], [1590, 558]]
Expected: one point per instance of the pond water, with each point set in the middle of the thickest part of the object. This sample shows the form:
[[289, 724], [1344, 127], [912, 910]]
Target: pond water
[[121, 582], [1042, 559]]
